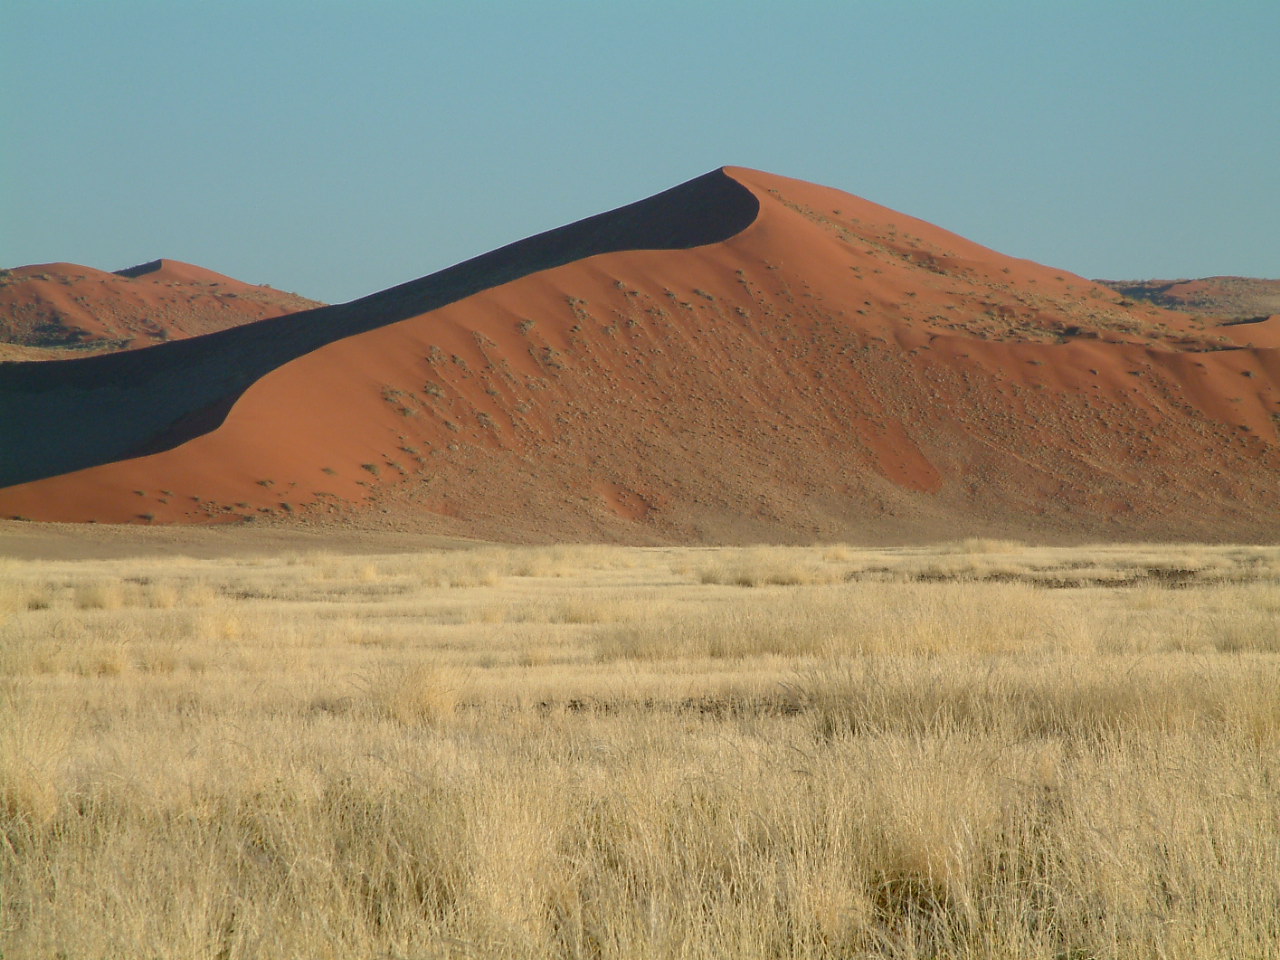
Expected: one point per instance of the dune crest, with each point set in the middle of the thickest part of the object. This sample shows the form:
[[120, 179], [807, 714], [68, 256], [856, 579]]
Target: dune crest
[[100, 409]]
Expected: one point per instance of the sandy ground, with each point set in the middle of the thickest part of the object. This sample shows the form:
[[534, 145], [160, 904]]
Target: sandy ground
[[84, 541]]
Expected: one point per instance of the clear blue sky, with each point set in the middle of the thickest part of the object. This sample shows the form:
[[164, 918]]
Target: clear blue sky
[[337, 148]]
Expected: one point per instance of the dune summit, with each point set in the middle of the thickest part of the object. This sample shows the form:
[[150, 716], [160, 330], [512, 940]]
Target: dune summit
[[745, 357]]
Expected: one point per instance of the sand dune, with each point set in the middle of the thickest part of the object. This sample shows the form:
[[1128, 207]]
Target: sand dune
[[746, 357], [56, 311], [1237, 298], [104, 408]]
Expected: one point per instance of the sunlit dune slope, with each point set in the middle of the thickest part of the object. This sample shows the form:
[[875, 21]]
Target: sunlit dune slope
[[55, 311], [812, 365]]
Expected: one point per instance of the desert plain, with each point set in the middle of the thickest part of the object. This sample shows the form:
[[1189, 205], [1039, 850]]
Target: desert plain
[[975, 749]]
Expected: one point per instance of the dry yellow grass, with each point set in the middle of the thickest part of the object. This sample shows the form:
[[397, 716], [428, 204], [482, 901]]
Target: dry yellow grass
[[983, 750]]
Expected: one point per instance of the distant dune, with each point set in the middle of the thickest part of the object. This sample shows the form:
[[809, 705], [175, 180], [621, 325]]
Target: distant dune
[[1239, 298], [743, 358], [52, 311]]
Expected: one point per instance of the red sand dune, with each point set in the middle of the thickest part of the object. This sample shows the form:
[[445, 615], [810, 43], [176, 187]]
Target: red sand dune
[[817, 367], [56, 310]]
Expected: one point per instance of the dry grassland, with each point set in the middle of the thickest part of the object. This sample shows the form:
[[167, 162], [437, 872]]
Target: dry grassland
[[981, 751]]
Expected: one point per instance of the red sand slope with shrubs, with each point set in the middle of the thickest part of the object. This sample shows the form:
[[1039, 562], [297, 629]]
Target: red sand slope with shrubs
[[828, 369]]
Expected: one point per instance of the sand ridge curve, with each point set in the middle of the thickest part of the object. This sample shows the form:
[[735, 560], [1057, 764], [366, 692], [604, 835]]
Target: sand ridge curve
[[77, 414]]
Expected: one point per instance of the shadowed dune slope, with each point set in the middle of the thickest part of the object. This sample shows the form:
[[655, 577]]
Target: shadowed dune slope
[[56, 311], [59, 418], [817, 366]]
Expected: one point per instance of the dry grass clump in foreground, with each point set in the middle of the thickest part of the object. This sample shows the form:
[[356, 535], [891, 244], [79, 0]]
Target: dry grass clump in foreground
[[605, 752]]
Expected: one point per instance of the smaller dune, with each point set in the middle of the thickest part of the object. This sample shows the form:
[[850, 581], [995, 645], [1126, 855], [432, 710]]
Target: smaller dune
[[1233, 298], [56, 311]]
